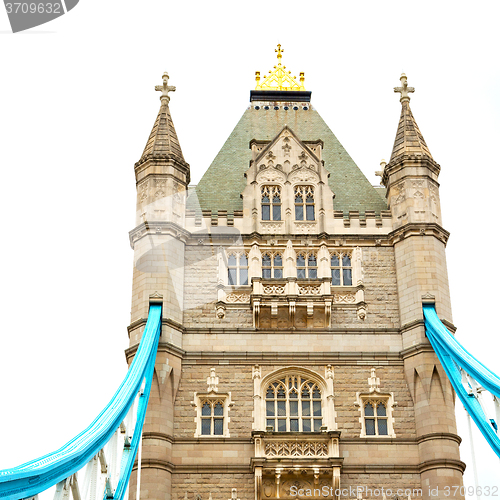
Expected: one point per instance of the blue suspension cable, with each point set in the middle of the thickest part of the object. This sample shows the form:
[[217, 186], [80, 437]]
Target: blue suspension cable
[[33, 477], [453, 356]]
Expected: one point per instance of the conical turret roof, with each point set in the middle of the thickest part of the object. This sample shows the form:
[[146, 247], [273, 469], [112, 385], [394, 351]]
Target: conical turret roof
[[163, 142], [409, 140], [163, 138]]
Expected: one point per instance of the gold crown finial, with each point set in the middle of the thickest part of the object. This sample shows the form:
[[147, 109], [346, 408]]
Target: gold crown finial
[[279, 50], [278, 78]]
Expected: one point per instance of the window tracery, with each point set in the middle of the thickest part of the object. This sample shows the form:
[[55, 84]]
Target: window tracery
[[341, 269], [272, 265], [304, 203], [271, 203], [307, 266], [293, 404], [376, 408]]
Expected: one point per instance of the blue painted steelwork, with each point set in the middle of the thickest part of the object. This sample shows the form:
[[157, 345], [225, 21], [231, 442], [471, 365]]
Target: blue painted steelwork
[[38, 475], [453, 357]]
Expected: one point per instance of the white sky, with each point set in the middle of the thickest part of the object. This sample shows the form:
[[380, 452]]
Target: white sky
[[77, 104]]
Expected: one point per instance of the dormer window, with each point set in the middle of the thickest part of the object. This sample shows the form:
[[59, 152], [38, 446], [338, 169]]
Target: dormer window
[[304, 203], [271, 202]]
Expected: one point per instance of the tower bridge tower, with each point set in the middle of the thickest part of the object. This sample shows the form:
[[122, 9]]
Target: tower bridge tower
[[293, 354]]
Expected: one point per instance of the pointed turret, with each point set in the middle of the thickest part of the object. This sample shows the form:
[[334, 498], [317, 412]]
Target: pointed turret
[[411, 179], [409, 140], [162, 174], [411, 174], [163, 141]]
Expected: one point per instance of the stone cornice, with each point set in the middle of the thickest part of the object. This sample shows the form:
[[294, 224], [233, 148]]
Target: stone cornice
[[442, 464], [158, 228], [419, 229], [439, 435], [251, 358], [408, 161], [416, 349], [326, 331], [162, 347]]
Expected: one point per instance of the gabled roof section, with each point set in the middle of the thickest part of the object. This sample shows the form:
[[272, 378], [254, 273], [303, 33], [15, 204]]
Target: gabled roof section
[[222, 184], [271, 144]]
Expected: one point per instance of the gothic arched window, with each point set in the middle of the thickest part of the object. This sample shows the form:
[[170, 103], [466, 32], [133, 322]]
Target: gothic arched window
[[212, 417], [375, 417], [293, 404], [307, 266], [237, 269], [341, 268], [304, 203], [271, 202], [272, 266]]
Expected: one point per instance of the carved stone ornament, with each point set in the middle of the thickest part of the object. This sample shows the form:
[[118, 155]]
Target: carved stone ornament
[[304, 176], [296, 449], [220, 312], [344, 298], [270, 175], [238, 298], [271, 227], [309, 290], [274, 289]]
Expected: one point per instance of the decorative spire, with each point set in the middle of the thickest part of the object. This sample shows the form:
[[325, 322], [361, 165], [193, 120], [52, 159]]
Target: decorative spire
[[165, 89], [278, 78], [403, 90], [163, 141], [409, 140]]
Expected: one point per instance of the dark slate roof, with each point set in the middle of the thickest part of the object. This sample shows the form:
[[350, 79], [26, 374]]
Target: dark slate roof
[[409, 140], [224, 181]]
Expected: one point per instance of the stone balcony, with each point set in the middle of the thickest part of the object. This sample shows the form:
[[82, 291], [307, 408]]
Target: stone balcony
[[285, 461]]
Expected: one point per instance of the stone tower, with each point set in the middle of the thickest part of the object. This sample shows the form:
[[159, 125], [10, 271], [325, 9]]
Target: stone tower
[[293, 355]]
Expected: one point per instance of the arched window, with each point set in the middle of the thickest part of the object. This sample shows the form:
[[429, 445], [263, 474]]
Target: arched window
[[272, 266], [271, 202], [237, 269], [341, 268], [307, 266], [304, 203], [293, 404], [212, 417], [375, 416]]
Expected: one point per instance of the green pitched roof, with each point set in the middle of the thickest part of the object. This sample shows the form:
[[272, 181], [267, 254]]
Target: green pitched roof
[[224, 181]]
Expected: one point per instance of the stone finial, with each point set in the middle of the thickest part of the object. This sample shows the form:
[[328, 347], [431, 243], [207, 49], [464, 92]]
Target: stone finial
[[165, 89], [404, 90], [256, 372], [373, 381], [329, 372], [212, 381], [234, 494], [380, 173]]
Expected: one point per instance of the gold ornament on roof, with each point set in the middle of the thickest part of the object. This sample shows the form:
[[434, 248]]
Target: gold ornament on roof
[[278, 78]]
